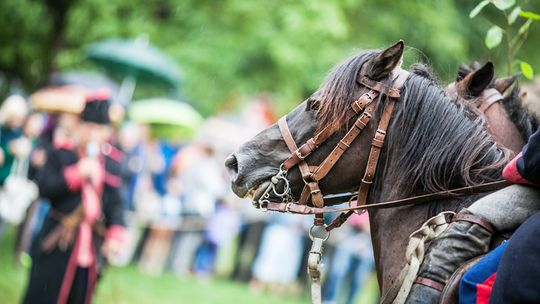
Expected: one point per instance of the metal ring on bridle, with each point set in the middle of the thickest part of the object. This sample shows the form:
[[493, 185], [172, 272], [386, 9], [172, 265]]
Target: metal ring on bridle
[[286, 187], [319, 231]]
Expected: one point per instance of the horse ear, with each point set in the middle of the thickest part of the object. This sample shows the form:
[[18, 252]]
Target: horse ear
[[386, 61], [502, 84], [477, 81]]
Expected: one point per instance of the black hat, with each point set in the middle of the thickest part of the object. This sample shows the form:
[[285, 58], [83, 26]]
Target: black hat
[[96, 109]]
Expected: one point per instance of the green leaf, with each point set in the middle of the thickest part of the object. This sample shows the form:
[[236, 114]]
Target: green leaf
[[504, 4], [529, 15], [493, 37], [513, 15], [477, 9], [525, 27], [526, 69]]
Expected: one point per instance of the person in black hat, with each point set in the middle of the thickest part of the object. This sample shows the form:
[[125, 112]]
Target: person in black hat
[[518, 273], [85, 226]]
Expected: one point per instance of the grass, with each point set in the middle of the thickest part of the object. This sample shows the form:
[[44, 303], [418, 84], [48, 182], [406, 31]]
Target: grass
[[129, 285]]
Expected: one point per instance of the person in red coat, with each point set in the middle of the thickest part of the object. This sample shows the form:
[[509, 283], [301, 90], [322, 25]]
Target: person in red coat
[[518, 274], [85, 225]]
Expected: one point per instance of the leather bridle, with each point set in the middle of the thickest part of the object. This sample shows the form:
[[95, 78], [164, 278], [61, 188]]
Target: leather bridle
[[363, 108]]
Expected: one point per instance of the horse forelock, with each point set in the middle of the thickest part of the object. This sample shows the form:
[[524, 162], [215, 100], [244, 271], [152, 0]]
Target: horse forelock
[[339, 90]]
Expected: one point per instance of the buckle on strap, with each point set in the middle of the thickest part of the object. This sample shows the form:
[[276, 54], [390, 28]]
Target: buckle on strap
[[299, 155]]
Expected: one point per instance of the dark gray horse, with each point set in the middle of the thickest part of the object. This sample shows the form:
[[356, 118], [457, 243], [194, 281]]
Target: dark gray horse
[[433, 144]]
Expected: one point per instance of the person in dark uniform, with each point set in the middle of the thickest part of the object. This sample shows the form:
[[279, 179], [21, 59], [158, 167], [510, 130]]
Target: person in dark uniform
[[518, 273], [85, 225]]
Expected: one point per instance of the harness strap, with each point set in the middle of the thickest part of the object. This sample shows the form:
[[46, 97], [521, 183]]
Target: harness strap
[[289, 141], [359, 125], [378, 140], [299, 154], [376, 146], [392, 92], [475, 220], [489, 98]]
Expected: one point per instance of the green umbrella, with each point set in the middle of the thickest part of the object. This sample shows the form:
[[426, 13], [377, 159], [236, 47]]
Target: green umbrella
[[134, 61], [168, 118]]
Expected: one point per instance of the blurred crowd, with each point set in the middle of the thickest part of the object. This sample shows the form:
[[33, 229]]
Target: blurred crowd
[[180, 214]]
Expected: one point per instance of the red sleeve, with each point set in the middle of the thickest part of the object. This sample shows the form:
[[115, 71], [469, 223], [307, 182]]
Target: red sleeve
[[511, 173], [73, 177]]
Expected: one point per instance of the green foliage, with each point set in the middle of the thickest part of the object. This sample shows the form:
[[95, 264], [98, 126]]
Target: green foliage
[[526, 69], [231, 50], [477, 9], [504, 4], [494, 37], [507, 28]]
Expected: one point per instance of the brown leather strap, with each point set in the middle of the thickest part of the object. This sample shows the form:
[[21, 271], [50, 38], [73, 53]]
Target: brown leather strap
[[473, 219], [339, 220], [392, 92], [429, 283], [344, 143], [315, 194], [376, 146], [489, 97], [289, 140]]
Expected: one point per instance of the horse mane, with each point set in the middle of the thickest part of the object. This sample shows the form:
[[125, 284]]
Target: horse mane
[[436, 145]]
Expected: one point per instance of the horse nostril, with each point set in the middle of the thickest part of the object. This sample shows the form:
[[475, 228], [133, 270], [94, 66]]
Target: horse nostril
[[232, 165]]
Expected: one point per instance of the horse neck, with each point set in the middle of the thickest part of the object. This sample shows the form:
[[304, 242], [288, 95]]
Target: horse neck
[[391, 228]]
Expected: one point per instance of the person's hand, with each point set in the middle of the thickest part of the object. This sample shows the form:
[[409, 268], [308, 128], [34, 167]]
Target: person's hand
[[89, 167], [20, 147], [38, 158], [111, 250]]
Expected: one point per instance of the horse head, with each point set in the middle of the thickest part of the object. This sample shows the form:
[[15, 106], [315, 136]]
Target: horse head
[[506, 116], [254, 163]]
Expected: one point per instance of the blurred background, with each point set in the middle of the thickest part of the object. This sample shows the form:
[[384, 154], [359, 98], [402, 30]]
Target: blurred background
[[190, 81]]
